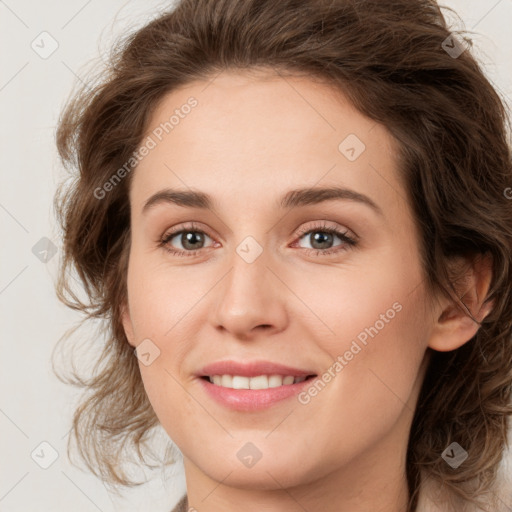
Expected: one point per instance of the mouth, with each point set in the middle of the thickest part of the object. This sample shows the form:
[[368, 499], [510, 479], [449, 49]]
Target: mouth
[[252, 386]]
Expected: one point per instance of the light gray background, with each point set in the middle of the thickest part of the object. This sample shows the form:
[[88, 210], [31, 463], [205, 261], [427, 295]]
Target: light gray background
[[34, 406]]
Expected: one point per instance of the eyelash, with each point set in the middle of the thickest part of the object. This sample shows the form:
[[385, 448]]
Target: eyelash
[[323, 228]]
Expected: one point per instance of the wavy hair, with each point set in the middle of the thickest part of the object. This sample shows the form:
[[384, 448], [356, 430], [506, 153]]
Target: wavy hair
[[392, 60]]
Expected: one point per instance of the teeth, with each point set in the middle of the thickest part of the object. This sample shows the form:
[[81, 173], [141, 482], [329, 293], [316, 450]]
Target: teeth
[[259, 382], [239, 382], [275, 381]]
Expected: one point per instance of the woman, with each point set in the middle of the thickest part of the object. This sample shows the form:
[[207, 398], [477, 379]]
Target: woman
[[295, 214]]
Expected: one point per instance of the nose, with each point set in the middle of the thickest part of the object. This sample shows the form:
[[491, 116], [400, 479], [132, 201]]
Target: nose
[[251, 299]]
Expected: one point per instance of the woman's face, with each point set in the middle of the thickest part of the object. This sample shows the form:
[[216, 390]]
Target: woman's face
[[263, 273]]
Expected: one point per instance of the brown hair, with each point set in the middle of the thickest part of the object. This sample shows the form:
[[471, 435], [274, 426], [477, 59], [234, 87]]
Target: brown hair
[[389, 59]]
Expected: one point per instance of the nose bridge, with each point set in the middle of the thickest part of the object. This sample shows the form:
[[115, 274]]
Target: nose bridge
[[248, 280]]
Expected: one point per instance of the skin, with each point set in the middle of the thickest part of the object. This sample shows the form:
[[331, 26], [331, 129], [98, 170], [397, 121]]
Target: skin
[[250, 139]]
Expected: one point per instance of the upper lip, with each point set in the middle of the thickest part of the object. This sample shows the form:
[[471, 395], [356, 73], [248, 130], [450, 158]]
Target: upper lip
[[251, 369]]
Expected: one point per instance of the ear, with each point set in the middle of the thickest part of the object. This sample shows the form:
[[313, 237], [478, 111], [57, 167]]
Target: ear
[[454, 327], [127, 324]]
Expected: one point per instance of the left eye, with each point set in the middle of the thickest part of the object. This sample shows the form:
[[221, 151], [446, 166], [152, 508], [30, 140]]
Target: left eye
[[323, 239]]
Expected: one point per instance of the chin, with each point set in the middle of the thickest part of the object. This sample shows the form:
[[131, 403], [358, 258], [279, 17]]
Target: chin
[[265, 477]]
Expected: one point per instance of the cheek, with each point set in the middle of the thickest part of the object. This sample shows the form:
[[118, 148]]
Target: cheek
[[377, 338], [378, 356], [164, 309], [161, 297], [377, 301], [373, 383], [381, 360]]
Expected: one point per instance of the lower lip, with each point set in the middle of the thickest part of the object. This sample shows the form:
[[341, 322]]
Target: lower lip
[[252, 399]]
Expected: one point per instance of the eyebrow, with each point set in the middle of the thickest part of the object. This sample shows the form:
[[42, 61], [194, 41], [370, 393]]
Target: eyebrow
[[292, 199]]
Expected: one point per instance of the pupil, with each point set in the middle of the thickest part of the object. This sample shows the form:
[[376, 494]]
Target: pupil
[[321, 238], [191, 238]]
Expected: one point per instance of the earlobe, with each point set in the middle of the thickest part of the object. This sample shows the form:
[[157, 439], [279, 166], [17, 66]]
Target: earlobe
[[455, 327], [127, 324]]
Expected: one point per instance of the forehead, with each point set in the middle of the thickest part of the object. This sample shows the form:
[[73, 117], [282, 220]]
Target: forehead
[[242, 134]]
